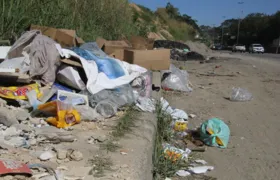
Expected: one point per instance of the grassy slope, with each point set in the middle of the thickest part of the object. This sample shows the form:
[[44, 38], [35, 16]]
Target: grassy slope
[[162, 24]]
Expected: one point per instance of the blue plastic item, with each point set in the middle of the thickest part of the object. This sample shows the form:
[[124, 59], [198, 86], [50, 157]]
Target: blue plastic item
[[94, 49], [220, 131], [59, 87], [107, 65]]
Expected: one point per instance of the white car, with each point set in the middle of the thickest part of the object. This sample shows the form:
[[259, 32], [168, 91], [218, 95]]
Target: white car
[[239, 48], [256, 48]]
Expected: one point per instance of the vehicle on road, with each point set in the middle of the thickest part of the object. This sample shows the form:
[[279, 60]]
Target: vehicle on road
[[256, 48], [217, 47], [239, 48]]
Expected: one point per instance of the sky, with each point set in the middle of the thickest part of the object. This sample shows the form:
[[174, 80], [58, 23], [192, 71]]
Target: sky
[[212, 12]]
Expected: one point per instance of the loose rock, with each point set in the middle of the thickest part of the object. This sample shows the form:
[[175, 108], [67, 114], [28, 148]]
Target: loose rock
[[22, 115], [7, 117], [61, 154], [76, 155]]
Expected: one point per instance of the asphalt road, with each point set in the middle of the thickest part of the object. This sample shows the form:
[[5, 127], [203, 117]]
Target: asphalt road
[[268, 56]]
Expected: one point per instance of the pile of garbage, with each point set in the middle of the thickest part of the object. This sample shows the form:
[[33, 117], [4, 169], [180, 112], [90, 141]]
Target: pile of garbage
[[179, 51], [52, 80]]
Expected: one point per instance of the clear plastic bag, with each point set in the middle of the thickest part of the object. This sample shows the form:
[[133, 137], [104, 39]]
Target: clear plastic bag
[[121, 96], [87, 113], [143, 85], [176, 80], [239, 94], [106, 108]]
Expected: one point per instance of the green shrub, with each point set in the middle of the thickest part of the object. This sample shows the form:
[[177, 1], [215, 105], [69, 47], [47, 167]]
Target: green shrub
[[111, 19]]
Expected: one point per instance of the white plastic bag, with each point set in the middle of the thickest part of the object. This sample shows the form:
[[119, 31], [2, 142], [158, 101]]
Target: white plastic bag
[[176, 80], [175, 113]]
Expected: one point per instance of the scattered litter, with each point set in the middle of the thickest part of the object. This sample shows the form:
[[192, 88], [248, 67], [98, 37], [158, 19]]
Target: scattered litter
[[123, 152], [239, 94], [192, 115], [180, 126], [176, 79], [146, 104], [69, 75], [174, 153], [183, 173], [106, 108], [8, 166], [201, 169], [46, 156], [73, 98], [18, 92], [175, 113], [64, 112], [214, 132], [200, 161], [87, 113]]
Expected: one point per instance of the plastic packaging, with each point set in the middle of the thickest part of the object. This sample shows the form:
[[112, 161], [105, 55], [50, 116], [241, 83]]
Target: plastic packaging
[[32, 98], [146, 104], [65, 114], [108, 66], [18, 92], [214, 132], [180, 126], [177, 114], [94, 49], [120, 96], [239, 94], [87, 113], [143, 85], [176, 80], [106, 108], [174, 154]]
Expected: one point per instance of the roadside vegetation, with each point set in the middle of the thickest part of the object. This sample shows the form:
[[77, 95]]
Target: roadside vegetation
[[111, 19]]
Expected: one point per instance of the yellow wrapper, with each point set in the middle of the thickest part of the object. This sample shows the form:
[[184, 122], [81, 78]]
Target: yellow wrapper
[[14, 92]]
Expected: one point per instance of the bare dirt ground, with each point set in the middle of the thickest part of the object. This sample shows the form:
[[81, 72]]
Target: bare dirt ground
[[253, 151]]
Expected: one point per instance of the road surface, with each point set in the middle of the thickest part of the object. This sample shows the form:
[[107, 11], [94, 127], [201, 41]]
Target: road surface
[[268, 56]]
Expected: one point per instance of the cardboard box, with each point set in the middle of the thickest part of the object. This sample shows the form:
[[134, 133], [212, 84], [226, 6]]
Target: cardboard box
[[141, 43], [65, 37], [113, 48], [149, 59]]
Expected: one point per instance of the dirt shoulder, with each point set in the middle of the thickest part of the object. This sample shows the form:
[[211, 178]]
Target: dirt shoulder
[[253, 151]]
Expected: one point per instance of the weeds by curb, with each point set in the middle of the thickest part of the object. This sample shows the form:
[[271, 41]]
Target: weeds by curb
[[100, 165], [124, 125]]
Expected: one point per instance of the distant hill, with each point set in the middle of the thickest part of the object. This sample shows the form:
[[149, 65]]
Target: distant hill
[[162, 24]]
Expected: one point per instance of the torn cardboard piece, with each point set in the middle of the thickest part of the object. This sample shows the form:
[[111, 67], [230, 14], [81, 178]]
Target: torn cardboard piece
[[149, 59], [65, 37]]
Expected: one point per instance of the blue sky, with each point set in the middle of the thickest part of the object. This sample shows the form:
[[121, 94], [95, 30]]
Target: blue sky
[[209, 12]]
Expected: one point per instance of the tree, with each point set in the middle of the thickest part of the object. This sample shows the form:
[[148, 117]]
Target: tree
[[172, 11]]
